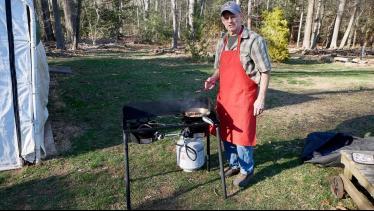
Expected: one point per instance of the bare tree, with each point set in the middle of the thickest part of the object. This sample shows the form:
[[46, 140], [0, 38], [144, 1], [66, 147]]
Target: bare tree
[[146, 8], [249, 21], [47, 21], [60, 42], [317, 24], [156, 5], [350, 24], [71, 11], [300, 25], [338, 20], [202, 7], [93, 22], [191, 13], [175, 24], [352, 34], [308, 25]]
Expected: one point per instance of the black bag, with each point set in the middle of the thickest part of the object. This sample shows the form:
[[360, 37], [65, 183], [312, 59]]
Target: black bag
[[323, 148]]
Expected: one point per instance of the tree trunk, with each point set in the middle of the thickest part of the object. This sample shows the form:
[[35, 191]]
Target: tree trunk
[[156, 5], [191, 13], [202, 7], [350, 24], [60, 42], [137, 18], [71, 18], [354, 39], [299, 31], [351, 36], [120, 18], [329, 34], [175, 24], [179, 21], [317, 25], [146, 9], [77, 25], [165, 11], [338, 20], [249, 21], [238, 2], [308, 25], [267, 5], [47, 21]]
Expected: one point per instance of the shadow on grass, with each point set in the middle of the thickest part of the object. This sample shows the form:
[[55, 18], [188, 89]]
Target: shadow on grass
[[360, 126], [169, 202], [154, 175], [49, 193], [285, 155]]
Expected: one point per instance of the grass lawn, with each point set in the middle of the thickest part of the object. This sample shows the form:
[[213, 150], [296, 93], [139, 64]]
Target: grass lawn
[[85, 109]]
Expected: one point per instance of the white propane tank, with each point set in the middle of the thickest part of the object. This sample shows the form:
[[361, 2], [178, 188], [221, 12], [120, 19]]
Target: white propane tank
[[190, 153]]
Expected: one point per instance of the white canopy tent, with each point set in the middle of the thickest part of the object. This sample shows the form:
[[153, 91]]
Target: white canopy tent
[[24, 85]]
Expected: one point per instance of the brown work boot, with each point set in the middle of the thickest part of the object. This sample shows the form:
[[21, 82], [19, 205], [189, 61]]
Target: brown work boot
[[229, 172], [242, 180]]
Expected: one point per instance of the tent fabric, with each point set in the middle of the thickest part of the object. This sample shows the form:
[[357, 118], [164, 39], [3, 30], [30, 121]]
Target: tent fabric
[[32, 83]]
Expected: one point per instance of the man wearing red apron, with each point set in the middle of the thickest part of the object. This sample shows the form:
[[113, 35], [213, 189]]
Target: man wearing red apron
[[243, 70]]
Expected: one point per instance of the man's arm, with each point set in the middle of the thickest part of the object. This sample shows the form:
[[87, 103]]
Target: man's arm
[[211, 81], [259, 104], [261, 59]]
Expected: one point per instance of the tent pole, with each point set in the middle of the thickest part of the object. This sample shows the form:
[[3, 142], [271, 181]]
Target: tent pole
[[8, 9]]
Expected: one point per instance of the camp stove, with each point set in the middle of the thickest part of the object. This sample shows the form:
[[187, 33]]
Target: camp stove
[[143, 124]]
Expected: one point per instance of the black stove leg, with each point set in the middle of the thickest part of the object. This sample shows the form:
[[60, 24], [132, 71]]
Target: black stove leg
[[208, 150], [223, 180], [126, 136]]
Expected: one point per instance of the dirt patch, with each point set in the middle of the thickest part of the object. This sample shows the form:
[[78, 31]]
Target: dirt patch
[[339, 111], [63, 132]]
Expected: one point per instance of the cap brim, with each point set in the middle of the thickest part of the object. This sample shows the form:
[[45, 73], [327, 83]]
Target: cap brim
[[231, 11]]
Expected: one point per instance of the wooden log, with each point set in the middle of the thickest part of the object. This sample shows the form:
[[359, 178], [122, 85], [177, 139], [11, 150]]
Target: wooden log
[[341, 59]]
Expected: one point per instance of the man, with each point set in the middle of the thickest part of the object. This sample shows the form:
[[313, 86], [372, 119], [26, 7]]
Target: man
[[242, 66]]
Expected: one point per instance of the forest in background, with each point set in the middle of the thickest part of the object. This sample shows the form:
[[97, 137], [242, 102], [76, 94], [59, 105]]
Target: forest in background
[[195, 24]]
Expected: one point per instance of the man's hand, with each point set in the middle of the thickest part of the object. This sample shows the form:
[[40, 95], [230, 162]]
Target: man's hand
[[258, 106], [210, 83]]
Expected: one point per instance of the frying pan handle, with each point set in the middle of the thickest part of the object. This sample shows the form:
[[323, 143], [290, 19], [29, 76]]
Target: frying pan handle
[[208, 120]]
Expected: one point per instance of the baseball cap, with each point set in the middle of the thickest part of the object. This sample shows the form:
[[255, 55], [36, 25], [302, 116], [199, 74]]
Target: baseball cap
[[231, 6]]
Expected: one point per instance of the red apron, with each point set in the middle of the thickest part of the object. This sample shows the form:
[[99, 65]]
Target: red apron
[[236, 95]]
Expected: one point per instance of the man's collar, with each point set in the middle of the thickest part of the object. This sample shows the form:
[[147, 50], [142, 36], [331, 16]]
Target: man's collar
[[245, 33]]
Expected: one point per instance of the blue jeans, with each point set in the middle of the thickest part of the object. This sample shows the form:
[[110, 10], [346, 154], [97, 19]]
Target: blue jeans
[[239, 157]]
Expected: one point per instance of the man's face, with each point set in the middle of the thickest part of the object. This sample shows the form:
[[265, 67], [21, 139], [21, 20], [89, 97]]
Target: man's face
[[232, 22]]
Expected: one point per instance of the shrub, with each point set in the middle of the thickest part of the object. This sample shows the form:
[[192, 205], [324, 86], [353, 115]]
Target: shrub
[[276, 32]]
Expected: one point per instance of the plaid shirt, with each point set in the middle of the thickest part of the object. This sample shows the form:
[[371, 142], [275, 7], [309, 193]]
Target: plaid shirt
[[253, 54]]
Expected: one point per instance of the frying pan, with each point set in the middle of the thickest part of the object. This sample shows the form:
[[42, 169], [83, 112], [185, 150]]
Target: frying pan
[[196, 112]]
